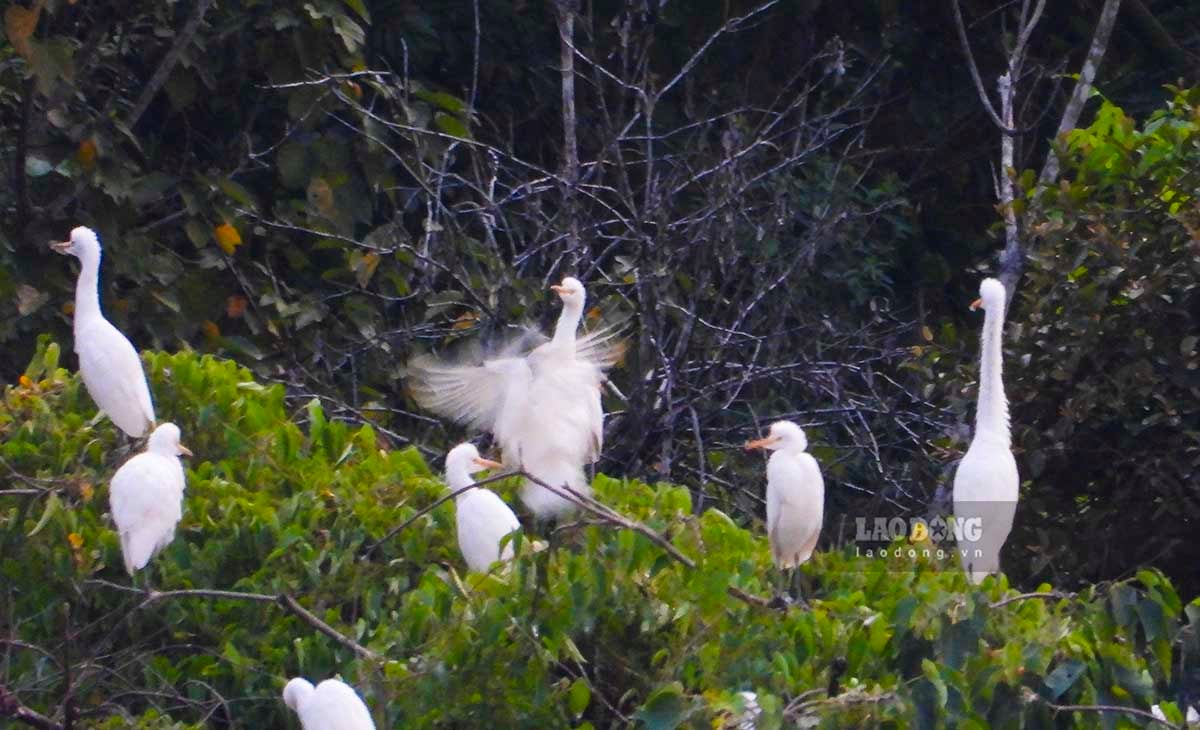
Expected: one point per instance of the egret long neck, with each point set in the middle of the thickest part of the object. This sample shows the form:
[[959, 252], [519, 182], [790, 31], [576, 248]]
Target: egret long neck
[[992, 412], [87, 293], [568, 324], [457, 477]]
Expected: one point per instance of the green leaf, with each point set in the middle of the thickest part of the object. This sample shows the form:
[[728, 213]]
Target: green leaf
[[1063, 677], [451, 125], [53, 507], [578, 696], [664, 709]]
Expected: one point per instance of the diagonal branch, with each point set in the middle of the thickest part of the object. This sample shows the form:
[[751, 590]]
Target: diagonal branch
[[1083, 87], [283, 600], [11, 707], [168, 63]]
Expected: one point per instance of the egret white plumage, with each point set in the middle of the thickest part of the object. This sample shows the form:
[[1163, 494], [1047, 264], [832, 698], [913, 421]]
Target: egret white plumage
[[146, 497], [483, 519], [332, 705], [795, 495], [986, 483], [543, 406], [108, 364]]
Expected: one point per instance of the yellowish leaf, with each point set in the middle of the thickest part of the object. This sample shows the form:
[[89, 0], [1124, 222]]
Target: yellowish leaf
[[927, 333], [76, 540], [19, 25], [25, 381], [594, 314], [86, 491], [228, 237], [235, 306], [320, 196], [464, 321], [86, 154], [210, 329], [366, 268]]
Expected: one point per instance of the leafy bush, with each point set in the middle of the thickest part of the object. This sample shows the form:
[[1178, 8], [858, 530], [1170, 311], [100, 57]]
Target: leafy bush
[[602, 629], [1106, 351]]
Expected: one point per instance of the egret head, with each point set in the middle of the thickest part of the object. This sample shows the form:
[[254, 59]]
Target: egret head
[[165, 440], [296, 692], [783, 436], [571, 291], [83, 241], [991, 296], [463, 461]]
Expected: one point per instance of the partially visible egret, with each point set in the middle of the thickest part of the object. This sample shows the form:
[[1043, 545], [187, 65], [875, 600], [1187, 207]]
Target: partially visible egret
[[543, 407], [333, 705], [110, 367], [986, 483], [795, 495], [146, 497], [483, 518]]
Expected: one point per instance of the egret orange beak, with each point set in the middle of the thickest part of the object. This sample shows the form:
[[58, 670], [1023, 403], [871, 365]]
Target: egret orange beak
[[558, 289], [760, 443], [976, 304], [185, 450], [61, 246], [488, 463]]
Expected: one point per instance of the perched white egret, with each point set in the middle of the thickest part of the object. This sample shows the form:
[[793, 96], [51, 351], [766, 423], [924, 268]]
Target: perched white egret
[[795, 495], [146, 497], [483, 518], [110, 367], [543, 406], [986, 484], [332, 705]]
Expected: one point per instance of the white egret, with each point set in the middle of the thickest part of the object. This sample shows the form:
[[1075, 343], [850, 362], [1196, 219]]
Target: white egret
[[108, 364], [332, 705], [986, 483], [795, 495], [483, 518], [146, 497], [543, 407]]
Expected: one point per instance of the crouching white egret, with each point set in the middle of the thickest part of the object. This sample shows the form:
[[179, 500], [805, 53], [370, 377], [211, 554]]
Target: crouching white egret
[[332, 705], [110, 367], [483, 518], [146, 497]]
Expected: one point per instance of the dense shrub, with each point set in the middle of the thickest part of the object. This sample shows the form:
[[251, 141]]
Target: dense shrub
[[601, 629]]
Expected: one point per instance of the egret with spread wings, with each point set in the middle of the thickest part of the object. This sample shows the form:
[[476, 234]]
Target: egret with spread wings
[[543, 406]]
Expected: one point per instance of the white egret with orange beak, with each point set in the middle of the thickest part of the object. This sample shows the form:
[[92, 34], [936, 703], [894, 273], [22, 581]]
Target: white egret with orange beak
[[332, 705], [483, 519], [986, 483], [108, 364], [795, 495], [543, 407], [146, 497]]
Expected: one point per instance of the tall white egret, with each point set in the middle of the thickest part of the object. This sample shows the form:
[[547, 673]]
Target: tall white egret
[[110, 367], [332, 705], [986, 483], [483, 518], [795, 495], [543, 406], [146, 497]]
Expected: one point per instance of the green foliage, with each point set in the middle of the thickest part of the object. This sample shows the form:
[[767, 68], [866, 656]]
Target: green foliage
[[1107, 368], [602, 629]]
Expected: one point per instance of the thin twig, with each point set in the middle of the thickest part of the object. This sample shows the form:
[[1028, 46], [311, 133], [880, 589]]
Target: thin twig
[[1049, 596]]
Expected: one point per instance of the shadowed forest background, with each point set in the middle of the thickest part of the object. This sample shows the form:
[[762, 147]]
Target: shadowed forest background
[[790, 205]]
